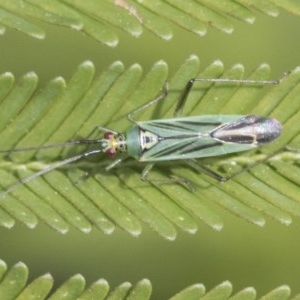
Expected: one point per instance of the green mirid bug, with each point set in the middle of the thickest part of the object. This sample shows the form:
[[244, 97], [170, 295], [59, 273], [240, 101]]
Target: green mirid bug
[[177, 138]]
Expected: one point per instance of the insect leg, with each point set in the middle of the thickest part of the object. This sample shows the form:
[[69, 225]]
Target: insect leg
[[190, 83], [171, 180], [107, 168], [114, 163], [152, 102], [262, 161], [146, 171], [203, 169]]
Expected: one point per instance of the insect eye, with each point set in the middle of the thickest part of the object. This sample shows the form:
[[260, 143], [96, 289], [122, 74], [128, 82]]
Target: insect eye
[[108, 135], [111, 152], [121, 148]]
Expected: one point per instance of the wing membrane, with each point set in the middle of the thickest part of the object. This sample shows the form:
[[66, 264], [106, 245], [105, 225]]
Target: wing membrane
[[184, 138]]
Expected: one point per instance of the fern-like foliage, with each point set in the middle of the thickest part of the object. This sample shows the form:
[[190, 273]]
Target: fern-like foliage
[[99, 18], [84, 195], [14, 285]]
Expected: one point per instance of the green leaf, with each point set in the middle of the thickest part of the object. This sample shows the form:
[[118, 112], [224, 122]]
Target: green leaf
[[37, 289], [280, 293], [13, 21], [97, 290], [245, 294], [99, 19], [120, 292], [14, 281], [71, 289], [142, 290], [83, 194], [195, 291], [222, 291], [14, 99], [15, 285]]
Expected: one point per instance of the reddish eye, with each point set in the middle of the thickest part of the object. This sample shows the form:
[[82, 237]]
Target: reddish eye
[[108, 135], [110, 152]]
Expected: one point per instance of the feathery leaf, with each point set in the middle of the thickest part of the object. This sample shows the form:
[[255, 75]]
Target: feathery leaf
[[15, 285], [98, 19], [83, 194]]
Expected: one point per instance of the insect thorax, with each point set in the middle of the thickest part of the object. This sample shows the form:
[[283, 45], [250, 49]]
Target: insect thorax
[[139, 140]]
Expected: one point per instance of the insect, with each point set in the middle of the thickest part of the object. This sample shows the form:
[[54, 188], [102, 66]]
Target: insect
[[178, 138]]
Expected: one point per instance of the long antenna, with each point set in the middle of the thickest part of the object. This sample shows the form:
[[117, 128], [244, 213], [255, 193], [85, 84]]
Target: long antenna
[[48, 169], [66, 144]]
